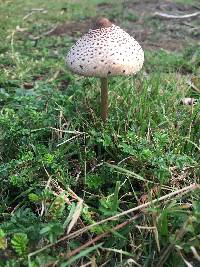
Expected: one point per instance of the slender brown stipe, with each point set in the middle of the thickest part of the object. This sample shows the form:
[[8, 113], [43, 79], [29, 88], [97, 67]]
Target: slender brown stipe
[[104, 99]]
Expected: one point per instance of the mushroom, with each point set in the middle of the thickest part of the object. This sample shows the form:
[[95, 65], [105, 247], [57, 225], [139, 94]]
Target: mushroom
[[106, 50]]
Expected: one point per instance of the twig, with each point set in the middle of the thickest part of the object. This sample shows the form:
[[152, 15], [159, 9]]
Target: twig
[[169, 16], [179, 192], [66, 141], [97, 238], [140, 207], [65, 131]]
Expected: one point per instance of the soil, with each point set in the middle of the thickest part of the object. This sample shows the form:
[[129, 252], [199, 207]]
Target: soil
[[73, 29], [151, 31]]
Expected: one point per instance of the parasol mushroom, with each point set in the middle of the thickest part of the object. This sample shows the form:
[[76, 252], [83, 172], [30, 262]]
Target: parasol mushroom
[[106, 50]]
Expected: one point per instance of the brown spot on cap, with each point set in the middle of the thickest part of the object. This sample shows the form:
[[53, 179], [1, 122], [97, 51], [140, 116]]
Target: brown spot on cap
[[102, 23]]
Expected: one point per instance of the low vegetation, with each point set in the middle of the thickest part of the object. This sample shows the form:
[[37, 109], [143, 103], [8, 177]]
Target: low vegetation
[[64, 175]]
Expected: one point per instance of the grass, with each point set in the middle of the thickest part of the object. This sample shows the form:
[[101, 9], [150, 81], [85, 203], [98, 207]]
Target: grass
[[63, 174]]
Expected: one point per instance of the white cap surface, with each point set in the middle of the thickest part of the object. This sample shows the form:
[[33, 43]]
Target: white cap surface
[[106, 51]]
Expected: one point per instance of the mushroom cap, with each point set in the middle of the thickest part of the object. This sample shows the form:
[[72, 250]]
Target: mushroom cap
[[106, 50]]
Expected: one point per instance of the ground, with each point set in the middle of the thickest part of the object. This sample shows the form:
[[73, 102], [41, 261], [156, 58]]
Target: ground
[[139, 19], [75, 191]]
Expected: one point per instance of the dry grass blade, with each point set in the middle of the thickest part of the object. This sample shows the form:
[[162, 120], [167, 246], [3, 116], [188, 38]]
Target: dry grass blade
[[187, 263], [121, 252], [165, 253], [128, 173], [179, 192], [196, 255], [87, 264], [75, 216]]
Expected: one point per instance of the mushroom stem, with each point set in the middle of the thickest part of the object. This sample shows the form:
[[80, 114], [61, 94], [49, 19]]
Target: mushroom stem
[[104, 99]]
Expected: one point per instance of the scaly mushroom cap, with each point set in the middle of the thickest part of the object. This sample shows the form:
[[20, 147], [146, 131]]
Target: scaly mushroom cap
[[106, 50]]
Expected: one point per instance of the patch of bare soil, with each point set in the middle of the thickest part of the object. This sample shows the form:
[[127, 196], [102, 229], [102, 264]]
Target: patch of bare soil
[[103, 6], [73, 29], [151, 31], [161, 32]]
